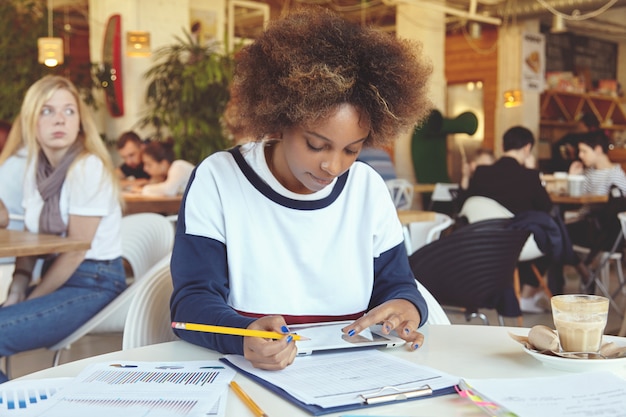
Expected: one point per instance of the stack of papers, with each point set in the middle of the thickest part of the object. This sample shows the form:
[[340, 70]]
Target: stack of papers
[[147, 389], [330, 382]]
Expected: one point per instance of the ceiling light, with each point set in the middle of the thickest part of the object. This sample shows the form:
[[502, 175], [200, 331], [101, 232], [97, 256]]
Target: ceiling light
[[50, 50], [558, 24]]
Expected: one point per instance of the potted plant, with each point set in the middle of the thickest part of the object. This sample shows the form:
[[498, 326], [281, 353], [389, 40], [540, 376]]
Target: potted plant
[[186, 95]]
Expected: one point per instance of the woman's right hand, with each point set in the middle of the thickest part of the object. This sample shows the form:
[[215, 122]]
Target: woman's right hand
[[576, 167], [270, 354]]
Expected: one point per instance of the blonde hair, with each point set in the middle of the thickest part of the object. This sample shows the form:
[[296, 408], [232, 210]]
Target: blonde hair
[[24, 131]]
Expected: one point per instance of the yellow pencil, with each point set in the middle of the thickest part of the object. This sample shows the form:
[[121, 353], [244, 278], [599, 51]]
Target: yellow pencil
[[207, 328], [247, 400]]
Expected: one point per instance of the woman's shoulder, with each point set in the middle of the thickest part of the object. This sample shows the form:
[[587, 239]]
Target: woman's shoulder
[[183, 164]]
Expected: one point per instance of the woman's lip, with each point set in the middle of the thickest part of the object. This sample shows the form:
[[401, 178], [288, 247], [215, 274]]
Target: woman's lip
[[321, 180]]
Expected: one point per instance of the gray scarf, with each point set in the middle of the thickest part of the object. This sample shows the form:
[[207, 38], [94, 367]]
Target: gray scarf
[[49, 183]]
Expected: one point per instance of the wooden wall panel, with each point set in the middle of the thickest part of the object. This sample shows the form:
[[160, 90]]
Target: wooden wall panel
[[464, 64]]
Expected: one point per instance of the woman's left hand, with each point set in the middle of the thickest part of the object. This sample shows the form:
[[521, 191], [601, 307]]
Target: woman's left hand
[[399, 315]]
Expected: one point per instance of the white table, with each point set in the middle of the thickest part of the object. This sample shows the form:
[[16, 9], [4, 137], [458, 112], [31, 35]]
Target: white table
[[462, 350]]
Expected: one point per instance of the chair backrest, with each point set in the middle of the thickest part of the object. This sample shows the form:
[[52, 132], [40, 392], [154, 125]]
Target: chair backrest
[[436, 314], [479, 208], [472, 267], [148, 320], [422, 233], [146, 238], [401, 191]]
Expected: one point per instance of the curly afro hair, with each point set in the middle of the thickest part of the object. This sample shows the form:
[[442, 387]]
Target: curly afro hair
[[303, 66]]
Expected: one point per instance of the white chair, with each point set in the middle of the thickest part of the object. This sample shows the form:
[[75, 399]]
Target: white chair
[[401, 191], [436, 313], [148, 320], [422, 233], [146, 239]]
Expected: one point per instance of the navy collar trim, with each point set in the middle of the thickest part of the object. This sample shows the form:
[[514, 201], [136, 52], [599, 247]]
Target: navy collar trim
[[268, 192]]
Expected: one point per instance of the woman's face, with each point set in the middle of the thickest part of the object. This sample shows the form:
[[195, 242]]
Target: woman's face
[[58, 124], [156, 170], [309, 159]]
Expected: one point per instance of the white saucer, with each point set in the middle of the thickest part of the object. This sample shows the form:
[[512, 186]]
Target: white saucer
[[581, 365]]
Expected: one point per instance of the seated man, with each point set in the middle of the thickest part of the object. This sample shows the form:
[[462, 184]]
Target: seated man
[[131, 172], [518, 188]]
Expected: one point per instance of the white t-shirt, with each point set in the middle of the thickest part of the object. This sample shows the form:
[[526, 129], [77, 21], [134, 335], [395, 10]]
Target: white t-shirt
[[87, 191], [177, 178], [283, 245], [599, 181]]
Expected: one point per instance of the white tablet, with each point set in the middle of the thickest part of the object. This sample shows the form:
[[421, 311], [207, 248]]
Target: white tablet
[[328, 336]]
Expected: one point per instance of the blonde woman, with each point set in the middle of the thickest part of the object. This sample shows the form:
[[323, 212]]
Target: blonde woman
[[69, 190]]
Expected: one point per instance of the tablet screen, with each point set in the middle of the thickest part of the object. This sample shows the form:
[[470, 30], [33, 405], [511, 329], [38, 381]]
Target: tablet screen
[[328, 336]]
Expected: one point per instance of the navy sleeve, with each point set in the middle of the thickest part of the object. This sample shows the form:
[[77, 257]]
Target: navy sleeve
[[393, 279], [200, 278]]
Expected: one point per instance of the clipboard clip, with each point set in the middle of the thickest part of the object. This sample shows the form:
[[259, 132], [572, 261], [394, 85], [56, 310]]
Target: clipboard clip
[[396, 395]]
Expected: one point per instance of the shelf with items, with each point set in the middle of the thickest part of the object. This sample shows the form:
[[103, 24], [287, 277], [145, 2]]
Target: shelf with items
[[563, 109]]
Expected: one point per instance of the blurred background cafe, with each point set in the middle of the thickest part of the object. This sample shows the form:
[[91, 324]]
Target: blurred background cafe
[[162, 69]]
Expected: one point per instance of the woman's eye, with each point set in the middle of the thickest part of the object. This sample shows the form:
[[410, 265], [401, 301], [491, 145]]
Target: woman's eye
[[313, 148], [70, 112], [46, 111]]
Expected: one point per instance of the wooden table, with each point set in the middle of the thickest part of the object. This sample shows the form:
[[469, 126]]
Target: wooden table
[[423, 188], [412, 216], [21, 243], [137, 203], [583, 199]]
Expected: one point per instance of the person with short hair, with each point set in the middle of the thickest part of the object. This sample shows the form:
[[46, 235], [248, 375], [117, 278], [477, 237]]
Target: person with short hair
[[519, 189], [131, 172], [289, 227], [600, 172]]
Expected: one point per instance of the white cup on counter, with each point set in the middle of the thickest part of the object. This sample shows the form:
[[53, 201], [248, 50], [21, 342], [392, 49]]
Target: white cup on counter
[[575, 185]]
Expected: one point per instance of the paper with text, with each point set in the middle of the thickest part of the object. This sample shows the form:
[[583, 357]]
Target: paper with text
[[598, 394], [335, 379], [147, 389]]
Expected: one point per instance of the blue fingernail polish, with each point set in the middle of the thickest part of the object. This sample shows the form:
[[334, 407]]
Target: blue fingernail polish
[[415, 346], [352, 332], [289, 338], [284, 329], [387, 327], [407, 331]]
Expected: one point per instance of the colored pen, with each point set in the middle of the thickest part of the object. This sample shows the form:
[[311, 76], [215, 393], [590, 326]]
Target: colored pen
[[256, 410], [233, 330]]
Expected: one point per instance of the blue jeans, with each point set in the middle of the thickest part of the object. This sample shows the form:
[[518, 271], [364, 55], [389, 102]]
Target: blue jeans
[[46, 320]]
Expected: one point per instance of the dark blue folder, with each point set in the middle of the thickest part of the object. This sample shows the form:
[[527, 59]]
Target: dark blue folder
[[316, 410]]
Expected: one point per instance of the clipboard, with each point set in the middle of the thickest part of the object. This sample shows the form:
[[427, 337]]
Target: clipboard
[[384, 397]]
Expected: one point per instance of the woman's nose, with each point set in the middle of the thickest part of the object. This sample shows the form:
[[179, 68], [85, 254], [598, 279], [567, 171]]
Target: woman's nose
[[332, 166]]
